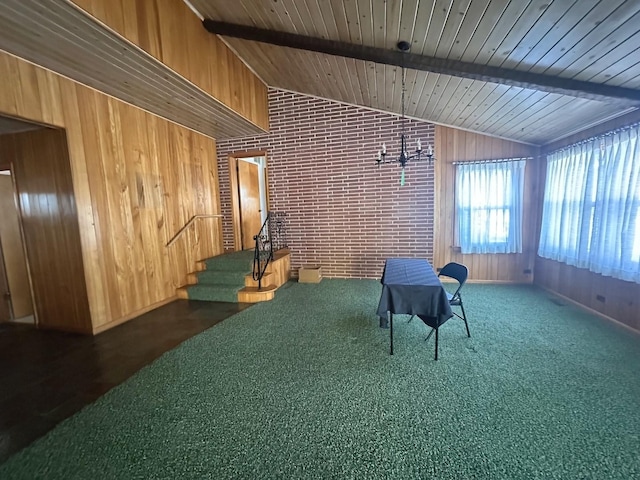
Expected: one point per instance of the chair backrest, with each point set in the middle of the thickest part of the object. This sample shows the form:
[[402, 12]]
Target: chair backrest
[[456, 271]]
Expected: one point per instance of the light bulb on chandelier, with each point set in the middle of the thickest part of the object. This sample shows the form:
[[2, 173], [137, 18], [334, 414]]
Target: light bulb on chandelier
[[404, 156]]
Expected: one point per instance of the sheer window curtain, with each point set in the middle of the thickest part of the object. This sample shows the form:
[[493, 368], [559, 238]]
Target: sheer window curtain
[[489, 198], [591, 210]]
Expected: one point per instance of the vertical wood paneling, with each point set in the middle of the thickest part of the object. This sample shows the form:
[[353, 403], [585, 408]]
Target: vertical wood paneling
[[453, 145], [614, 298], [170, 32], [50, 224], [137, 179]]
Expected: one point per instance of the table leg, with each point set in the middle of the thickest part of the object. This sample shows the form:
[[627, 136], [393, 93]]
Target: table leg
[[391, 330]]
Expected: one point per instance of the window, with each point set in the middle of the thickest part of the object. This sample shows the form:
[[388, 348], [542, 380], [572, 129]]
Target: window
[[489, 206], [591, 209]]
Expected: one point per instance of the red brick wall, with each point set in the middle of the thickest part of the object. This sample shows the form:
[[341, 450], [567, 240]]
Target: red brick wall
[[344, 212]]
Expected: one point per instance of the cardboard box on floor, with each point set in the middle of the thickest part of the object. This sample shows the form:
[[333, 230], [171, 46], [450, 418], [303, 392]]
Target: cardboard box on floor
[[310, 274]]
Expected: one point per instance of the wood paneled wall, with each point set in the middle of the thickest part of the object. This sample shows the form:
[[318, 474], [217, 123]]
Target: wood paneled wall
[[169, 31], [453, 145], [609, 296], [50, 223], [614, 298], [137, 179]]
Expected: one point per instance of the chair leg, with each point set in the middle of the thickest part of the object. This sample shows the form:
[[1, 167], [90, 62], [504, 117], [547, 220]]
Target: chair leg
[[411, 318], [429, 336], [464, 317]]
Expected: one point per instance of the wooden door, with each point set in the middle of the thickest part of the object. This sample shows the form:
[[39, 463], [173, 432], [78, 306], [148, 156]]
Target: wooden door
[[15, 262], [249, 201], [5, 306]]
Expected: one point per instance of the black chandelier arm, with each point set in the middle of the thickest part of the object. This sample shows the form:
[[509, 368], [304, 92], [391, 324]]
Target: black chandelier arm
[[404, 157]]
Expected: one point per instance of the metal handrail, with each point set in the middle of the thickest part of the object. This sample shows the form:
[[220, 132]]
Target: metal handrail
[[188, 224], [272, 234]]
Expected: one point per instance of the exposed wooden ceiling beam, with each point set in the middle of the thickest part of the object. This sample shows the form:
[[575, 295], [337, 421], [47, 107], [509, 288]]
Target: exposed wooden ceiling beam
[[485, 73]]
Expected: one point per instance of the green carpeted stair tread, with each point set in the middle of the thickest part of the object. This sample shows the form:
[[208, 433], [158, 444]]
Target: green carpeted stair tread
[[222, 277], [242, 260], [214, 293]]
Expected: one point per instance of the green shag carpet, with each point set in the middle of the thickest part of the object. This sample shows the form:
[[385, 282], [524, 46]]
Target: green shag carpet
[[304, 387]]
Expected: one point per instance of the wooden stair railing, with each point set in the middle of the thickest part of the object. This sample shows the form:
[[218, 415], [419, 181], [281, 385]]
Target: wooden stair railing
[[188, 224]]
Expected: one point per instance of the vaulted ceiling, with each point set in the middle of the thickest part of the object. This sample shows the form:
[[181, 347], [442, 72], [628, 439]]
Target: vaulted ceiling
[[528, 70]]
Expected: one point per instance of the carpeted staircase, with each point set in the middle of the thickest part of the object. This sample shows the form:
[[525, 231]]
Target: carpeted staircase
[[223, 277]]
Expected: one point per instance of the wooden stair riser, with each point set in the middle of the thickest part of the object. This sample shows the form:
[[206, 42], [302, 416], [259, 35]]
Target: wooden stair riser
[[267, 279], [253, 295]]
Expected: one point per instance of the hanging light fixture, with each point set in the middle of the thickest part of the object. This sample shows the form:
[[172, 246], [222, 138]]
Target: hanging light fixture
[[404, 156]]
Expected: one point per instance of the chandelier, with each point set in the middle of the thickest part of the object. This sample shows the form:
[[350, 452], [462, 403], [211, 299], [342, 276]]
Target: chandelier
[[404, 156]]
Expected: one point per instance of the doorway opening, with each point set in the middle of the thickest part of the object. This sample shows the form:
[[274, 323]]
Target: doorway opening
[[249, 197]]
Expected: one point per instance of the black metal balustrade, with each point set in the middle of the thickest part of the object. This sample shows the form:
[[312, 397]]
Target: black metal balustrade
[[271, 238]]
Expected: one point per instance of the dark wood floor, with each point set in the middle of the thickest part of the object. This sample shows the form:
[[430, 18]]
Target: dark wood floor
[[48, 376]]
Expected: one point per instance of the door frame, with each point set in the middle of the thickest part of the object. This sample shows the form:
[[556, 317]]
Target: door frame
[[233, 193]]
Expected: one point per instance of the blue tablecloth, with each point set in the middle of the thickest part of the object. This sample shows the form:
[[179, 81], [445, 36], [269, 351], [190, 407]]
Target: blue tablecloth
[[410, 286]]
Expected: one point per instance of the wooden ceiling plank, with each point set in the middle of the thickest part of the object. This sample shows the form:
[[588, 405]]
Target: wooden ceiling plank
[[299, 16], [379, 18], [438, 20], [391, 26], [408, 19], [458, 12], [469, 113], [350, 9], [444, 100], [381, 84], [393, 80], [369, 71], [512, 14], [547, 27], [582, 17], [596, 39], [440, 86], [602, 65], [363, 81], [466, 94], [628, 76], [365, 18], [318, 19], [358, 80], [338, 9], [470, 25], [284, 15], [424, 93], [507, 110], [531, 105], [537, 18], [329, 19], [544, 110], [422, 23], [493, 104], [577, 115], [411, 80]]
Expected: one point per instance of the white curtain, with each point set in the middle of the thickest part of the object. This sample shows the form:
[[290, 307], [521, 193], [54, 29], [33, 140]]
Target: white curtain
[[489, 206], [591, 211]]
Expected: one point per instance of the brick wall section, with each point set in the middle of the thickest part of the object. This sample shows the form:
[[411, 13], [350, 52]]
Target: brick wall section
[[343, 212]]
